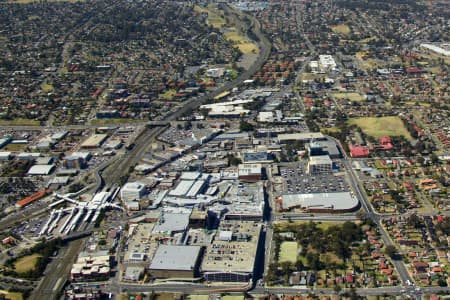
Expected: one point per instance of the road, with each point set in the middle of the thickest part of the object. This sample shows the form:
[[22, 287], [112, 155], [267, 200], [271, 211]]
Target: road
[[399, 264], [57, 272], [258, 290]]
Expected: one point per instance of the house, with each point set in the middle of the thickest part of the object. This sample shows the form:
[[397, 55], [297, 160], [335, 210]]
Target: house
[[420, 267], [349, 278], [359, 151], [387, 271]]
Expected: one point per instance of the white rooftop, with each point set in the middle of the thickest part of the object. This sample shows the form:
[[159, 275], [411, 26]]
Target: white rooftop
[[169, 257]]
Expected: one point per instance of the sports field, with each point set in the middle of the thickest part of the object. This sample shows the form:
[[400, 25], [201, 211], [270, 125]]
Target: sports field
[[288, 251], [341, 29], [383, 126]]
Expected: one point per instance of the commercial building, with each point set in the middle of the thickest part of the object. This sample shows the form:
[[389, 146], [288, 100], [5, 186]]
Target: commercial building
[[172, 222], [319, 202], [305, 137], [134, 273], [232, 258], [265, 117], [91, 266], [176, 261], [320, 164], [132, 191], [94, 141], [256, 157], [250, 172]]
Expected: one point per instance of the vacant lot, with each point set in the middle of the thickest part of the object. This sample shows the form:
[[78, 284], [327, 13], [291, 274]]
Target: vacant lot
[[19, 122], [383, 126], [214, 17], [240, 41], [11, 295], [341, 29], [26, 263], [349, 96], [288, 252]]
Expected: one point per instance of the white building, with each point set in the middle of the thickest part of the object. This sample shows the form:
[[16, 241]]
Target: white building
[[320, 164], [132, 191], [327, 62]]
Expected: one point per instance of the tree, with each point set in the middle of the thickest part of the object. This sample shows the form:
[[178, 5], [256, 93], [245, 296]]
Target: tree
[[234, 161], [390, 250], [246, 126]]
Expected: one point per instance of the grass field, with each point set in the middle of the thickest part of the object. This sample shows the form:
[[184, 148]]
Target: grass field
[[366, 40], [350, 96], [241, 42], [19, 122], [341, 29], [379, 127], [198, 297], [168, 95], [288, 251], [26, 263], [11, 295], [47, 88], [103, 122], [214, 18], [424, 104]]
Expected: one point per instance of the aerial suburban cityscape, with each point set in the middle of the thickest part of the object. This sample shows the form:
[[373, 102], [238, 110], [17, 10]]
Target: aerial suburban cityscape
[[212, 149]]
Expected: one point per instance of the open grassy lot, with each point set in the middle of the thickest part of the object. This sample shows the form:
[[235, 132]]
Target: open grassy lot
[[288, 251], [235, 36], [198, 297], [214, 18], [383, 126], [285, 226], [11, 295], [19, 122], [47, 88], [117, 121], [424, 104], [168, 95], [241, 42], [341, 29], [26, 263], [248, 47], [366, 40], [349, 96]]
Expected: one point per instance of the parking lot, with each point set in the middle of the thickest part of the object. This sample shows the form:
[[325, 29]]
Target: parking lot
[[297, 181]]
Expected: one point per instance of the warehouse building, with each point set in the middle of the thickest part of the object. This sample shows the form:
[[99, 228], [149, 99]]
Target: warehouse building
[[41, 170], [176, 262], [94, 141]]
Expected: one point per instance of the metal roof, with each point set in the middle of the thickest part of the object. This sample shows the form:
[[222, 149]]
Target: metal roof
[[170, 257]]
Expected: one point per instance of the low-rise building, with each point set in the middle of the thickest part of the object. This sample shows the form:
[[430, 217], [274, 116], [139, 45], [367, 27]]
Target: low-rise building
[[176, 262]]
